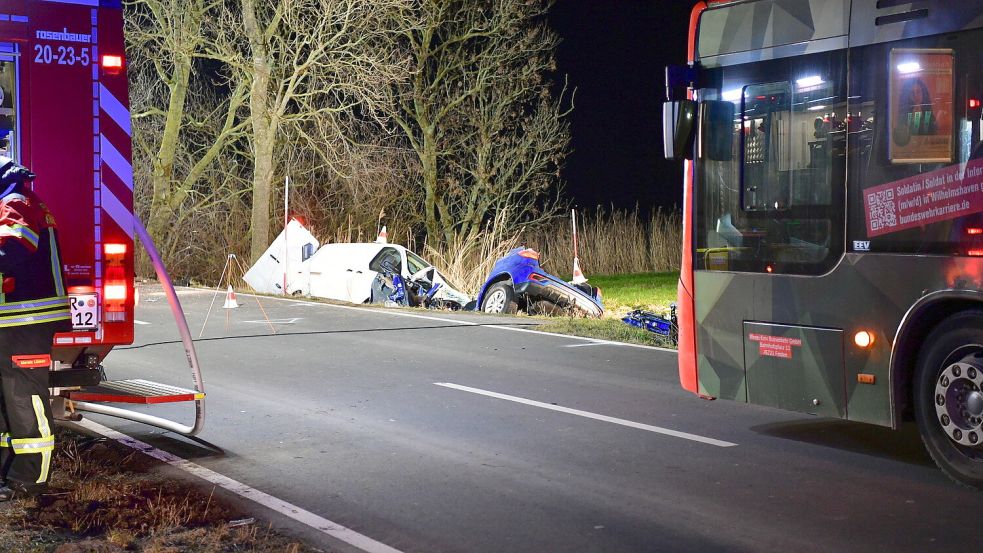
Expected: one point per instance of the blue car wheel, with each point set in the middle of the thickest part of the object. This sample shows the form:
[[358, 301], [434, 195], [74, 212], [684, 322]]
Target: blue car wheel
[[500, 298]]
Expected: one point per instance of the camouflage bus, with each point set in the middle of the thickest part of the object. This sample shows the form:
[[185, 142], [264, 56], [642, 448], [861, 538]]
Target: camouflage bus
[[833, 219]]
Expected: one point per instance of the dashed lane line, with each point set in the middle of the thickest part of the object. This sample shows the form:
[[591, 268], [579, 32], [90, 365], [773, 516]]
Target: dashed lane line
[[323, 525], [589, 415]]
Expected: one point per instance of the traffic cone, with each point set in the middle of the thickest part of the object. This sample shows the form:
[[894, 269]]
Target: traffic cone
[[383, 236], [578, 275], [230, 299]]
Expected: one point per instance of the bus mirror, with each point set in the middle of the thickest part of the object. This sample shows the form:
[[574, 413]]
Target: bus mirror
[[680, 79], [717, 130], [678, 124]]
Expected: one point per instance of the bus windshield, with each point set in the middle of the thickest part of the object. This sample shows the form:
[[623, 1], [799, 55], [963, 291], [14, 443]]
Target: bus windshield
[[773, 203]]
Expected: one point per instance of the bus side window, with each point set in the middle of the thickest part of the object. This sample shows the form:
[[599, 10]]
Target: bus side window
[[916, 110]]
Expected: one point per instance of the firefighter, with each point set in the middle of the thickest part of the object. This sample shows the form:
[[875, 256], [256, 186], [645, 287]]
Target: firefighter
[[33, 307]]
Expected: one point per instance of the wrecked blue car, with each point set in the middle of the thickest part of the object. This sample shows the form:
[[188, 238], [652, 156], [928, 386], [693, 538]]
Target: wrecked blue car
[[517, 282]]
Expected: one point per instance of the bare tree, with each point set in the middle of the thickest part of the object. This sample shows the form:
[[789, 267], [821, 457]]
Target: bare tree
[[341, 197], [180, 132], [301, 60], [480, 115]]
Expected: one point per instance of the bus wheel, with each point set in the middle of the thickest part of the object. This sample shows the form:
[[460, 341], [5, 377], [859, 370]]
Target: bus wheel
[[948, 397]]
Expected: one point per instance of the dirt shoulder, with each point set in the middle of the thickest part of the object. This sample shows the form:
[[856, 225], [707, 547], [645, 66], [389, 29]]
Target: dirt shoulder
[[105, 497]]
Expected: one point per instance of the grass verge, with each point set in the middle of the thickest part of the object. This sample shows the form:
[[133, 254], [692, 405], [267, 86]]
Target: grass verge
[[603, 329], [650, 291], [621, 294], [105, 497]]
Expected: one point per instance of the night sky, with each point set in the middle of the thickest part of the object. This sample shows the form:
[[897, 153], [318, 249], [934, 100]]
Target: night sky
[[615, 53]]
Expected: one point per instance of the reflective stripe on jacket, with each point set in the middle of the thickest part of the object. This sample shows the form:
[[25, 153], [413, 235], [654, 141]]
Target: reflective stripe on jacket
[[30, 262]]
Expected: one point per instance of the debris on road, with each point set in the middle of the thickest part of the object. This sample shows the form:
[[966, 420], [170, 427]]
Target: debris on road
[[241, 522], [656, 324]]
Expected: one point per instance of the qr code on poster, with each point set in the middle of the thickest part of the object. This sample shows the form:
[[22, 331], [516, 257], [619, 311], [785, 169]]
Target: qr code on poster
[[881, 209]]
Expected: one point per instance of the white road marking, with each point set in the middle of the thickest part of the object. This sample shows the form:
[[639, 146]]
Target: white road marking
[[333, 529], [587, 345], [276, 321], [140, 322], [188, 291], [589, 415], [465, 323]]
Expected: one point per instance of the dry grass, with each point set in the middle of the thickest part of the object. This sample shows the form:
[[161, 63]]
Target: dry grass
[[612, 242], [106, 497], [467, 263]]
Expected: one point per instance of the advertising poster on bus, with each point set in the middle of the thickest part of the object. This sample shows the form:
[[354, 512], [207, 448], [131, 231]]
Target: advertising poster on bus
[[933, 197], [921, 105]]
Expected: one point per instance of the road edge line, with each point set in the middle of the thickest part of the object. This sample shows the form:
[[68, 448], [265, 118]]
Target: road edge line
[[462, 323], [298, 514]]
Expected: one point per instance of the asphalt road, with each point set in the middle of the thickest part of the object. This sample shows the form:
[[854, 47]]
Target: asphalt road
[[341, 414]]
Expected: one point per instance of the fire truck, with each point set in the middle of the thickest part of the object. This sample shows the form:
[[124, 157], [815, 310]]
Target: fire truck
[[64, 113]]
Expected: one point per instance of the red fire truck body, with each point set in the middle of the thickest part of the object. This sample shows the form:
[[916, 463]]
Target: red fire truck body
[[64, 114]]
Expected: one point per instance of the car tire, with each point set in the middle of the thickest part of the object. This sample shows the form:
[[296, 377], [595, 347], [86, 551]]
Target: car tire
[[948, 397], [500, 298]]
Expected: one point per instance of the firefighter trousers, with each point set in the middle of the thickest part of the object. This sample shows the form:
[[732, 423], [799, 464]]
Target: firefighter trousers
[[26, 427]]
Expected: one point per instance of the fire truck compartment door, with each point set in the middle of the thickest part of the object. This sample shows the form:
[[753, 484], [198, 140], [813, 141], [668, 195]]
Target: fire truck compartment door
[[798, 368]]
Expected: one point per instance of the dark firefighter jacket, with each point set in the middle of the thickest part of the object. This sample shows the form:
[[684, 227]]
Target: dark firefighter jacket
[[33, 289]]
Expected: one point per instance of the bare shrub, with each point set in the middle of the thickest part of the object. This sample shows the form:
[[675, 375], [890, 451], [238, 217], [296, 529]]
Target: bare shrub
[[466, 263]]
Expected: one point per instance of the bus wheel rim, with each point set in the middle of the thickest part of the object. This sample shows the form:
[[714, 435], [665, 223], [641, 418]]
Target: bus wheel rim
[[959, 403]]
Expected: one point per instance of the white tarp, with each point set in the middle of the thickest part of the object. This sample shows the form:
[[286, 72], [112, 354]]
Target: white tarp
[[266, 275]]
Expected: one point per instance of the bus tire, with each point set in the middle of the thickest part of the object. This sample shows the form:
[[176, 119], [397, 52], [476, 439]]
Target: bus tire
[[948, 399]]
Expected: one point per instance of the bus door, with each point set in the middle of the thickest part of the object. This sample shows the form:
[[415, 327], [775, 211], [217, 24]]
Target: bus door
[[769, 230]]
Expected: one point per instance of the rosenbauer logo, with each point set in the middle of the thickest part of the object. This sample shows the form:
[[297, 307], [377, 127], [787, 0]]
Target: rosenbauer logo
[[64, 36]]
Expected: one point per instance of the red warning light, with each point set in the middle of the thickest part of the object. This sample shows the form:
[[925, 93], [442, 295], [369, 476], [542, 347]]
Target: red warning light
[[974, 103], [975, 253], [112, 64], [115, 249], [974, 231]]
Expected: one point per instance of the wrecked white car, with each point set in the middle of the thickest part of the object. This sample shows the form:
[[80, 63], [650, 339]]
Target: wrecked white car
[[363, 273], [349, 271]]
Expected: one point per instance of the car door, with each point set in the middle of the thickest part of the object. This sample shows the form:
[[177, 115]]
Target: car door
[[328, 280], [360, 282]]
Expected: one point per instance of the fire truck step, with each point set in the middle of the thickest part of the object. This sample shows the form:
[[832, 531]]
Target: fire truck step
[[133, 391]]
